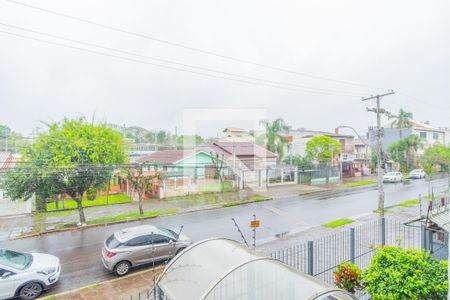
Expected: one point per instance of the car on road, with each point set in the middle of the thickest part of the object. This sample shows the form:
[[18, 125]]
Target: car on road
[[134, 246], [417, 173], [26, 275], [393, 177]]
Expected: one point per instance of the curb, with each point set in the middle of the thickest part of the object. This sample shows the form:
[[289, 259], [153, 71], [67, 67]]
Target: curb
[[134, 274], [122, 222]]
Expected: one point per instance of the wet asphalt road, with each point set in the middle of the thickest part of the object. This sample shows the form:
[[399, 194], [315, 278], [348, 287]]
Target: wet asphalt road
[[79, 251]]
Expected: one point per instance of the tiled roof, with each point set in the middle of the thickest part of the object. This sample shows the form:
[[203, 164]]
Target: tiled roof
[[6, 160], [166, 156], [441, 219], [242, 150]]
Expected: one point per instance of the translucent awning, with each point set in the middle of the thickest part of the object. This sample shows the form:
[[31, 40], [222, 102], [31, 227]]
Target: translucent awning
[[223, 269]]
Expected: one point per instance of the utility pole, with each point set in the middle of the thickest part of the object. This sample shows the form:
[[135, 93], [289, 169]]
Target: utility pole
[[379, 111]]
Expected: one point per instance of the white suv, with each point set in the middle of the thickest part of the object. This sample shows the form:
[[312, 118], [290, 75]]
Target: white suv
[[26, 275]]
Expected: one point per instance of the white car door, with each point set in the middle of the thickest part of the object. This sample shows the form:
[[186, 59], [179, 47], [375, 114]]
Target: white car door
[[8, 283]]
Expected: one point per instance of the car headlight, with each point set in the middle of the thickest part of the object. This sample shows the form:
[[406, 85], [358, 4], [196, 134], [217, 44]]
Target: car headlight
[[47, 271]]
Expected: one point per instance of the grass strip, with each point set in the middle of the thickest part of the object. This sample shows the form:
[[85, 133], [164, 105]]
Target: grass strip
[[338, 223], [251, 200], [358, 183], [99, 200], [133, 216], [408, 203]]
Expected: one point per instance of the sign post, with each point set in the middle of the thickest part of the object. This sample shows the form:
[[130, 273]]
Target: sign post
[[254, 224]]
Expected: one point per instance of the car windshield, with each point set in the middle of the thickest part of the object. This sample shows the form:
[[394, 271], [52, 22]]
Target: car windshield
[[168, 233], [112, 242], [15, 260], [416, 170], [391, 174]]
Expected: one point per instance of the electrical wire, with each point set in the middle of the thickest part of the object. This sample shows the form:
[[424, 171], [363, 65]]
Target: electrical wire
[[179, 45], [168, 67], [176, 63]]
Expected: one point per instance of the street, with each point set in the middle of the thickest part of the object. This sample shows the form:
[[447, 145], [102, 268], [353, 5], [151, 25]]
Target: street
[[79, 250]]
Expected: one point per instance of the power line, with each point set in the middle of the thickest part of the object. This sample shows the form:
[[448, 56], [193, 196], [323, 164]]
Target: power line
[[167, 67], [173, 62], [179, 45]]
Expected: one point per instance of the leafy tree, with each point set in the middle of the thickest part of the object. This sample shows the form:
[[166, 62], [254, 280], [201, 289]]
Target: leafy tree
[[405, 151], [402, 120], [323, 149], [11, 140], [189, 141], [71, 158], [437, 155], [163, 137], [302, 162], [395, 273], [275, 138], [140, 182]]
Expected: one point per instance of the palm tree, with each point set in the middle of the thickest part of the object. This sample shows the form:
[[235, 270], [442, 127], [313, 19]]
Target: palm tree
[[403, 120], [413, 143], [276, 136]]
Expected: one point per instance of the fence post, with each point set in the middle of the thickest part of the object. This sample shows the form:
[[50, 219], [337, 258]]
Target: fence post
[[352, 245], [424, 237], [310, 258], [383, 231]]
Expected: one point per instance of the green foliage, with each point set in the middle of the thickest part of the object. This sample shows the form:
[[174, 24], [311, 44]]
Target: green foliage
[[409, 203], [253, 199], [402, 120], [91, 193], [98, 201], [189, 141], [395, 274], [338, 223], [405, 152], [72, 157], [275, 138], [436, 155], [133, 216], [349, 277], [302, 162], [322, 148], [358, 183]]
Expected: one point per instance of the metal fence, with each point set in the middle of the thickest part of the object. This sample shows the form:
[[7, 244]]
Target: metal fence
[[321, 257]]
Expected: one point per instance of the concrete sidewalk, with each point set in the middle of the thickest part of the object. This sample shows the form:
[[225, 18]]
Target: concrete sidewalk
[[134, 286], [13, 227]]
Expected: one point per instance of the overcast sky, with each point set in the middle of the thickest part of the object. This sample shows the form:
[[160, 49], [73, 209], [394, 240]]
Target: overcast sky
[[399, 45]]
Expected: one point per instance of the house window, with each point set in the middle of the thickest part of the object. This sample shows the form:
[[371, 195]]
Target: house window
[[423, 135], [435, 135]]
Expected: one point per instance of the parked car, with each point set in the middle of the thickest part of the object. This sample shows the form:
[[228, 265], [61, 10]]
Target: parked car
[[140, 245], [393, 177], [26, 275], [417, 173]]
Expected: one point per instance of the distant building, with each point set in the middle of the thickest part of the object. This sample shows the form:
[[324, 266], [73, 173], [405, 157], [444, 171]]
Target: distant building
[[430, 135], [236, 135]]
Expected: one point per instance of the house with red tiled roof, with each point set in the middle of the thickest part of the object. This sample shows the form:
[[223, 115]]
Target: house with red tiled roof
[[8, 207]]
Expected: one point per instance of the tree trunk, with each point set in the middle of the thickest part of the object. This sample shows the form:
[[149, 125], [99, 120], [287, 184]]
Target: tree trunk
[[107, 191], [80, 209], [56, 197], [141, 210], [41, 204]]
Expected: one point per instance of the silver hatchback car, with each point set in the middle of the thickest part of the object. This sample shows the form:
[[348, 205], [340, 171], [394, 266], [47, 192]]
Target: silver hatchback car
[[140, 245]]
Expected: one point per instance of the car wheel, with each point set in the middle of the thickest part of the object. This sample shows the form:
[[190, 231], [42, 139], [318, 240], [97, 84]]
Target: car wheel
[[122, 268], [30, 291], [179, 250]]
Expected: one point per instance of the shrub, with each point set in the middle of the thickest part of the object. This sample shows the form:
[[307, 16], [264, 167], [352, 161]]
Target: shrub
[[349, 276], [396, 273], [91, 193]]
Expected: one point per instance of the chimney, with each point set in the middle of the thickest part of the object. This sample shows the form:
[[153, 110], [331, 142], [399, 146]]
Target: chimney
[[336, 130]]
